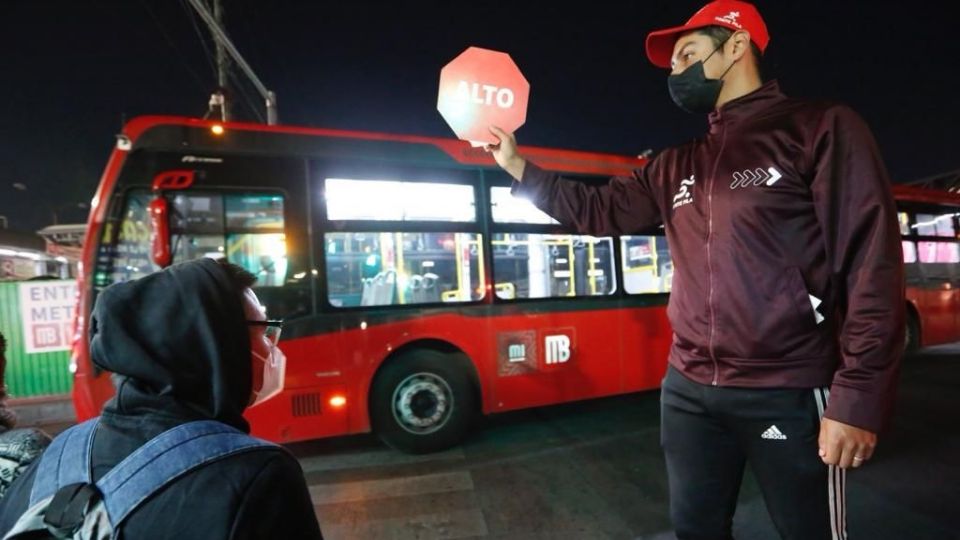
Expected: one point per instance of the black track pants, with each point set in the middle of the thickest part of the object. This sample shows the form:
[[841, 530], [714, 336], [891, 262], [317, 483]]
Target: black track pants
[[710, 433]]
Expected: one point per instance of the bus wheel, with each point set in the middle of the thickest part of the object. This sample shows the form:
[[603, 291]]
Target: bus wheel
[[912, 341], [422, 401]]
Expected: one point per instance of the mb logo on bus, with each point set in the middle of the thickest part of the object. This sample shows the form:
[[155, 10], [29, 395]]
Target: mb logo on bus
[[557, 349]]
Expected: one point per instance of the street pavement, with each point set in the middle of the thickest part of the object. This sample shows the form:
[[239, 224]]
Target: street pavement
[[594, 470]]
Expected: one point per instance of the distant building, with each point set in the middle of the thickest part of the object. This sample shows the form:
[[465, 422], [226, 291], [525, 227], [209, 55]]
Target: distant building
[[65, 242], [52, 253]]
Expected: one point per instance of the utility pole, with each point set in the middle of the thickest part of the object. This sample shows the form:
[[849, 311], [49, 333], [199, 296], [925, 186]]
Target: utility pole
[[223, 64], [269, 98]]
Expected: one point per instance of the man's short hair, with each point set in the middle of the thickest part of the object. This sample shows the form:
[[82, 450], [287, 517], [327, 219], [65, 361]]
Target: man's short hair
[[3, 344], [720, 34], [239, 276]]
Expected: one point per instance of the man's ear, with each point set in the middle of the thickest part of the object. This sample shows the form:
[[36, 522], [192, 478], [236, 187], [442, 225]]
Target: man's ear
[[740, 42]]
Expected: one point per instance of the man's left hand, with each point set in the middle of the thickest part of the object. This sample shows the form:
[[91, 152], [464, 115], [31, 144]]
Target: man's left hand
[[844, 445]]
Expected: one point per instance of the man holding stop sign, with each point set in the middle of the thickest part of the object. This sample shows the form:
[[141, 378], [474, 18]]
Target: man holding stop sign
[[788, 299]]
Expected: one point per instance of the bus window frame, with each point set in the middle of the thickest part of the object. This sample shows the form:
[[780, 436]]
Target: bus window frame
[[319, 171]]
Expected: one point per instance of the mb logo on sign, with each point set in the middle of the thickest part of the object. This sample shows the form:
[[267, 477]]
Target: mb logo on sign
[[482, 88]]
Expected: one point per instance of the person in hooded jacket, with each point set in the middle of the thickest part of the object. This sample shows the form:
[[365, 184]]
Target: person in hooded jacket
[[181, 347], [18, 446], [787, 306], [8, 418]]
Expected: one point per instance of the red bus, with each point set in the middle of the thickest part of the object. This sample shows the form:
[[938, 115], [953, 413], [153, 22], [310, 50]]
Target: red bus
[[931, 253], [416, 291]]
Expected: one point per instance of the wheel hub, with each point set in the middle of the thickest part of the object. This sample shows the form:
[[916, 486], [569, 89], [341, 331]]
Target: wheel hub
[[422, 403]]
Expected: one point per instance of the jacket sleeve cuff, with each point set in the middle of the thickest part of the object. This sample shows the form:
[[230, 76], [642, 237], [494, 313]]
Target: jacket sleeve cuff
[[533, 177], [857, 408]]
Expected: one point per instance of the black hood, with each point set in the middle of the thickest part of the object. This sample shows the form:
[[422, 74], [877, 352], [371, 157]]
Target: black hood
[[177, 343]]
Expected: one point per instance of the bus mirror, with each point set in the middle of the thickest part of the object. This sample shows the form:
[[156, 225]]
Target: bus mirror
[[160, 235], [159, 213]]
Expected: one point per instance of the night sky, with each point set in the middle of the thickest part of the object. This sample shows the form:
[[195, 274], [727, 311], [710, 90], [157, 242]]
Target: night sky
[[74, 71]]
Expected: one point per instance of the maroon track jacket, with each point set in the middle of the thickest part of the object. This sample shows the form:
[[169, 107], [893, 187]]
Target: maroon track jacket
[[785, 204]]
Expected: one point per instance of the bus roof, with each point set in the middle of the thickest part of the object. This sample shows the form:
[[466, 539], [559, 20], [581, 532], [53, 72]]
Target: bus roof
[[925, 195], [168, 133]]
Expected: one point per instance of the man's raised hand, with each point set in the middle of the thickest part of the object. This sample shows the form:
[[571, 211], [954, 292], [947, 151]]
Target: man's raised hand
[[505, 153]]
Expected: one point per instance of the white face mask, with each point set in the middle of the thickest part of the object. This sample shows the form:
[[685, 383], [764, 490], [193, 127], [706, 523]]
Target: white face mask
[[264, 352], [274, 372]]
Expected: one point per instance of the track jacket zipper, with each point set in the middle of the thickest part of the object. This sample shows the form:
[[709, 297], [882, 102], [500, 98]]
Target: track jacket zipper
[[713, 323]]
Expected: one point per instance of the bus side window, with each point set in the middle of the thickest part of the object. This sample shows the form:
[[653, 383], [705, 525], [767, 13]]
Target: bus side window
[[246, 228], [938, 258], [255, 236], [389, 267], [394, 268], [527, 265], [647, 266], [552, 265]]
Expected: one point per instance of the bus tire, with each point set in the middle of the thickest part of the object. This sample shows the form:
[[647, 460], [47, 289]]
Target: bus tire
[[422, 401], [912, 339]]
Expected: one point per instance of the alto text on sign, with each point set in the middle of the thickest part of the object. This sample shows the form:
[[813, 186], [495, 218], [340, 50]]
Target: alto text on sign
[[485, 94]]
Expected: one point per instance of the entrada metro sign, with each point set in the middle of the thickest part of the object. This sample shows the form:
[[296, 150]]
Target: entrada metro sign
[[482, 88]]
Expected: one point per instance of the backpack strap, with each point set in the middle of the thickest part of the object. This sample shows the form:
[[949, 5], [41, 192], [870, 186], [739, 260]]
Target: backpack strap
[[166, 458], [66, 461]]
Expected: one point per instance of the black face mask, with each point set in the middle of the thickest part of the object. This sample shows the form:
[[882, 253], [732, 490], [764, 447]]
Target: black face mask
[[692, 91]]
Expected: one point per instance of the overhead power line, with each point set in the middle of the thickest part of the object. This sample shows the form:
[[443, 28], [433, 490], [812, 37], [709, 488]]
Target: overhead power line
[[180, 55], [222, 40]]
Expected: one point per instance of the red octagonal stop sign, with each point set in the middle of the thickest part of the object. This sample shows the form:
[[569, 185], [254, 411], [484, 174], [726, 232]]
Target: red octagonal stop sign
[[482, 88]]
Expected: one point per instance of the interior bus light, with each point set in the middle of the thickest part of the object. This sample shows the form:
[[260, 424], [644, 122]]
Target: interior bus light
[[216, 129], [338, 401]]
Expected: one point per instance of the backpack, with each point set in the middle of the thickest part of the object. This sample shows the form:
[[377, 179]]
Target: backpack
[[64, 503]]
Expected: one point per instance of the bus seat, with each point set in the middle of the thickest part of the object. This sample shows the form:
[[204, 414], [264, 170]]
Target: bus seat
[[368, 294], [506, 291], [429, 290], [386, 288], [415, 289]]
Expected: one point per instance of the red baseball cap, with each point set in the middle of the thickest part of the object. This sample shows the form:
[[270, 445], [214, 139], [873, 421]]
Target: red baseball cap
[[731, 14]]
